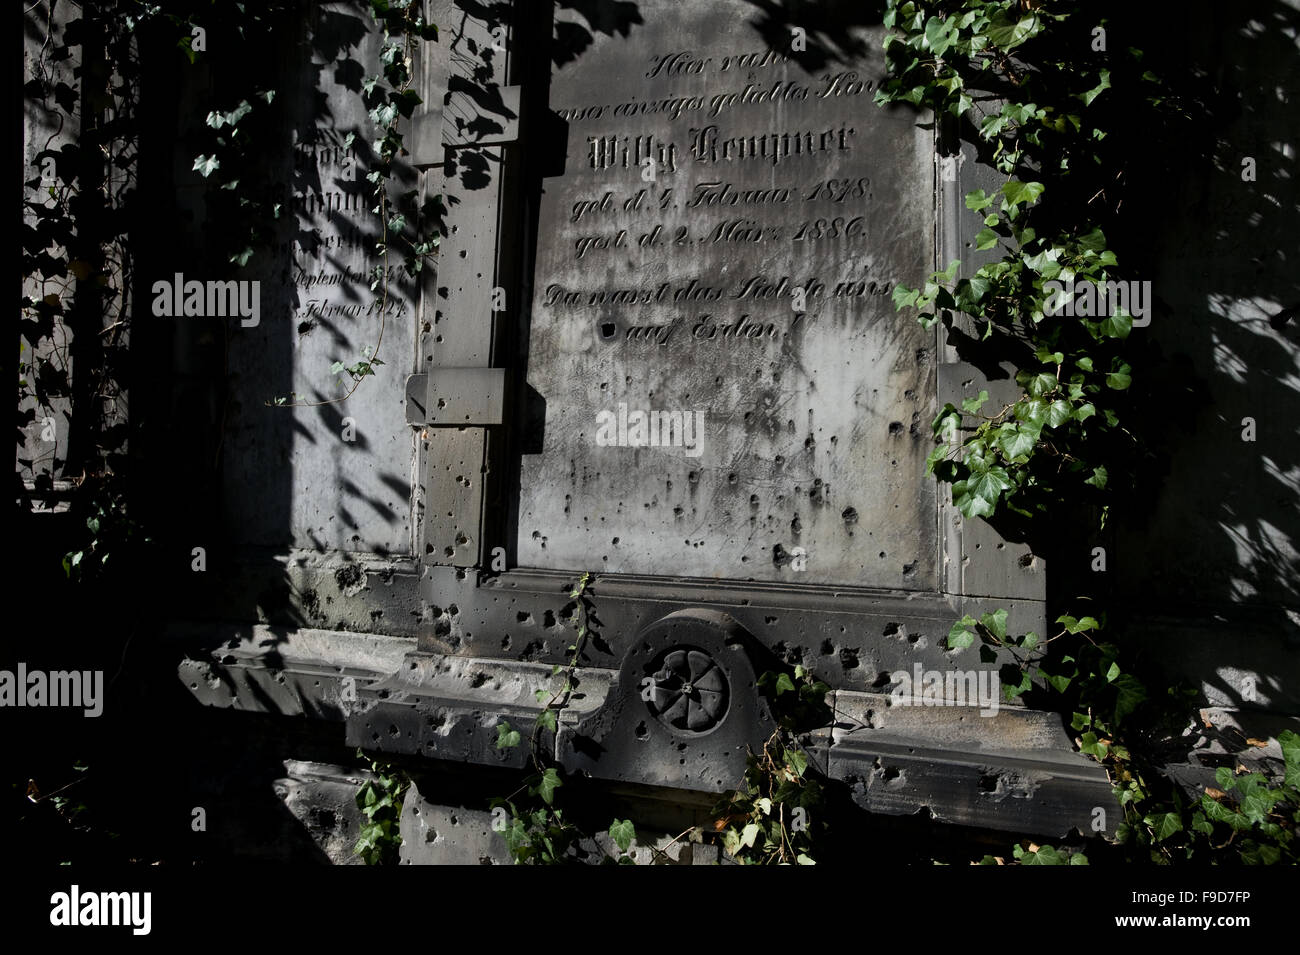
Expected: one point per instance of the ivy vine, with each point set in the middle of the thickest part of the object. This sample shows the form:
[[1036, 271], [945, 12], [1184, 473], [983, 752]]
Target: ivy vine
[[1035, 87]]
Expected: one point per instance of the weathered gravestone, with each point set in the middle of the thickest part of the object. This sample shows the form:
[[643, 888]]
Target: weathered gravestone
[[698, 389], [660, 348]]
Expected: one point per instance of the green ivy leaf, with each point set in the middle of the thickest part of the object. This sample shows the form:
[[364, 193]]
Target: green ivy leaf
[[507, 737], [973, 405], [1102, 85], [1007, 33], [1290, 743], [962, 634], [798, 761], [1091, 745], [622, 833], [547, 785], [996, 623], [1016, 192], [206, 165], [1130, 694], [1163, 825]]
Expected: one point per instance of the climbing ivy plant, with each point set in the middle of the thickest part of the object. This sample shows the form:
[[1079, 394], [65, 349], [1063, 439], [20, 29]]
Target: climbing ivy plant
[[379, 841], [773, 818], [535, 828], [1035, 86], [1043, 97]]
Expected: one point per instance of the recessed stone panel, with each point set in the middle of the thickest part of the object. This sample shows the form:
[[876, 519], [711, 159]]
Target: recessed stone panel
[[728, 390]]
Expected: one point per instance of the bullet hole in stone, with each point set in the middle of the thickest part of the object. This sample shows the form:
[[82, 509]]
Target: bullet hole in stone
[[477, 680], [796, 526], [505, 643], [892, 773], [1026, 560], [779, 459], [441, 627], [779, 556], [731, 478], [909, 568], [895, 428], [693, 477], [393, 731], [350, 579], [682, 761], [849, 658], [305, 327], [988, 783], [891, 630], [524, 617], [827, 648], [641, 731], [909, 394], [548, 619], [614, 541], [463, 253], [449, 552], [849, 515], [678, 512], [608, 330], [882, 682]]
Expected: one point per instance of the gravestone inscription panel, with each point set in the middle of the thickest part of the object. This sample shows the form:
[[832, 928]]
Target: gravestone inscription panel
[[728, 390], [349, 458]]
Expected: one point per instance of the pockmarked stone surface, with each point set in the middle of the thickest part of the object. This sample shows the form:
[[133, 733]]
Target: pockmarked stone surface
[[728, 389]]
